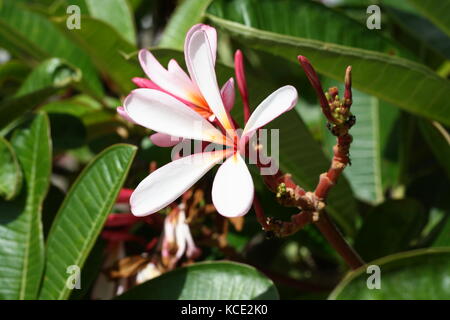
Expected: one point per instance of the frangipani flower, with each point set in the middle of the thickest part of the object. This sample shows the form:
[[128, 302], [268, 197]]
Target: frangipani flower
[[233, 190], [175, 82]]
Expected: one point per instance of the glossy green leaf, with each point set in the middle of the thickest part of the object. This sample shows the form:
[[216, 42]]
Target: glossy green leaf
[[414, 275], [188, 13], [71, 106], [10, 174], [31, 35], [207, 281], [107, 51], [12, 73], [50, 73], [81, 217], [437, 11], [299, 154], [443, 239], [303, 17], [376, 69], [42, 82], [117, 14], [371, 169], [394, 224], [438, 139], [21, 242], [422, 30], [363, 4]]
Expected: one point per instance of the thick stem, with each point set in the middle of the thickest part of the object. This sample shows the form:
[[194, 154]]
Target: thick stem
[[337, 241]]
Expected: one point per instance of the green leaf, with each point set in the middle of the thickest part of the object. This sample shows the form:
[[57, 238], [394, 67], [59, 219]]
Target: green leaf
[[376, 70], [443, 239], [207, 281], [77, 106], [10, 174], [12, 74], [117, 14], [188, 13], [437, 11], [394, 224], [414, 275], [28, 34], [50, 73], [299, 154], [81, 217], [438, 139], [41, 83], [107, 51], [423, 30], [371, 170], [22, 243]]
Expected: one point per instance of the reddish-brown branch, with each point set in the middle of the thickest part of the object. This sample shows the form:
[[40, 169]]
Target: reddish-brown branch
[[313, 204], [287, 228], [337, 241], [260, 216]]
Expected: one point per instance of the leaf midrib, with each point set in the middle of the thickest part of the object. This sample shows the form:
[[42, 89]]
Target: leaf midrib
[[326, 46]]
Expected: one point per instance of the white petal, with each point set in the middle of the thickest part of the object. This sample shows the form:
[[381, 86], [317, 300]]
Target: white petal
[[228, 94], [211, 36], [169, 182], [232, 191], [280, 101], [164, 140], [163, 113], [201, 67], [172, 81], [121, 111], [175, 69]]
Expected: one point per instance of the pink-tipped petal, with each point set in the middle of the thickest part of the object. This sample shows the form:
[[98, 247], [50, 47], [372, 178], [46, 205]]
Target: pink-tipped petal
[[171, 82], [164, 140], [201, 67], [169, 182], [149, 84], [121, 111], [163, 113], [232, 190], [145, 83], [228, 95], [211, 34], [280, 101]]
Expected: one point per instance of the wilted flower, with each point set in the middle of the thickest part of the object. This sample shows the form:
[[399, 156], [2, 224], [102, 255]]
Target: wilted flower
[[177, 238]]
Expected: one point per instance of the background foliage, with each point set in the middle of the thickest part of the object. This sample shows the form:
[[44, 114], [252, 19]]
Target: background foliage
[[65, 153]]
